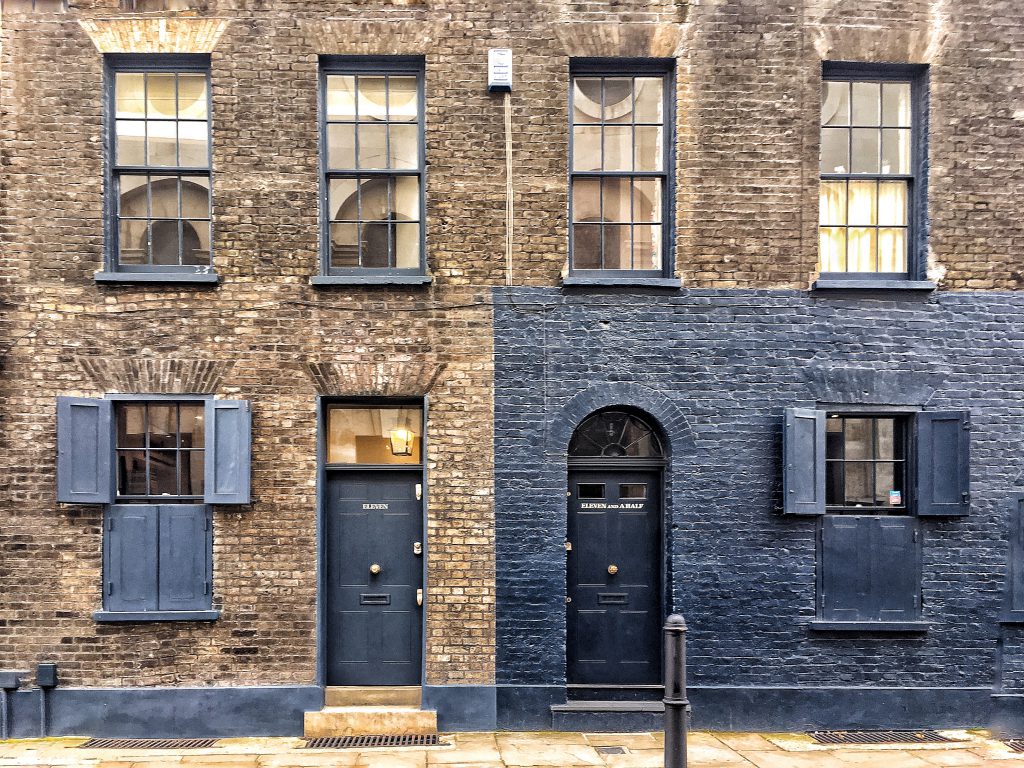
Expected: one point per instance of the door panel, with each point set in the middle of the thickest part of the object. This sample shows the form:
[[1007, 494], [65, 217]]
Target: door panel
[[374, 632], [613, 619]]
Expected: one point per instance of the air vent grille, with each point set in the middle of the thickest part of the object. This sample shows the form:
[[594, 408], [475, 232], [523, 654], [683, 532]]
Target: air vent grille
[[148, 744], [371, 742], [878, 737]]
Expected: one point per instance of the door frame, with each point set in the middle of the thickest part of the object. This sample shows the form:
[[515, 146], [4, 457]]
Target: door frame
[[659, 466], [323, 403]]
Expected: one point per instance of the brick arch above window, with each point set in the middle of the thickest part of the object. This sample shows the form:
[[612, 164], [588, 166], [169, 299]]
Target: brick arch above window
[[167, 375]]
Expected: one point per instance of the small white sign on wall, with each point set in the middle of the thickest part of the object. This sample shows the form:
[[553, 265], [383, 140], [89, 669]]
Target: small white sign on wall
[[499, 69]]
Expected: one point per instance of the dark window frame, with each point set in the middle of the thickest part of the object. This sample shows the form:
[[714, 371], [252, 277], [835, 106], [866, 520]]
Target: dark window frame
[[150, 63], [906, 507], [408, 66], [629, 67], [917, 194]]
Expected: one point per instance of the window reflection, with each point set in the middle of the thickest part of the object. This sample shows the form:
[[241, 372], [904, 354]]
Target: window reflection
[[374, 435]]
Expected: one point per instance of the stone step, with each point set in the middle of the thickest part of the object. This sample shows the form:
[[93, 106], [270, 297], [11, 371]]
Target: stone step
[[369, 721], [372, 696]]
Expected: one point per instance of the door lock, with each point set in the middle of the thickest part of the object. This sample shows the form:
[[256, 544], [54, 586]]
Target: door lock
[[417, 547], [613, 569], [419, 597], [375, 569]]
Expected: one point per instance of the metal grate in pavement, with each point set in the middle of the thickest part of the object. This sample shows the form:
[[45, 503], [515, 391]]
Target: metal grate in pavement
[[878, 737], [1017, 745], [148, 744], [610, 750], [370, 742]]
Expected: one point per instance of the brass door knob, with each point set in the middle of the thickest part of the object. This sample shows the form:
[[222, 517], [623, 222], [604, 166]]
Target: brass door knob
[[374, 569], [613, 569]]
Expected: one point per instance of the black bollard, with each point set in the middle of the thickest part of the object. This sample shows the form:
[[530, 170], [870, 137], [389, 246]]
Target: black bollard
[[675, 700]]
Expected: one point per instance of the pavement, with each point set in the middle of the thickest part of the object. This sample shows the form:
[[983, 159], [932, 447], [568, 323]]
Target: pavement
[[521, 750]]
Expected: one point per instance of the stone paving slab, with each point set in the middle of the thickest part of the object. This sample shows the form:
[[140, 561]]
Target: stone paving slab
[[532, 750]]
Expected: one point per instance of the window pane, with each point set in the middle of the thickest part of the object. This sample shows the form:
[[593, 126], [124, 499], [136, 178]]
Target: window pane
[[191, 473], [130, 94], [888, 478], [832, 249], [632, 490], [835, 103], [344, 245], [647, 200], [835, 493], [407, 246], [195, 197], [896, 104], [163, 426], [586, 246], [193, 427], [160, 99], [892, 250], [586, 199], [649, 99], [342, 202], [375, 247], [617, 193], [896, 150], [861, 250], [166, 240], [131, 426], [617, 247], [374, 435], [857, 437], [647, 246], [402, 99], [372, 98], [341, 100], [407, 198], [832, 202], [192, 96], [864, 145], [866, 103], [618, 99], [886, 438], [193, 151], [161, 145], [134, 195], [586, 148], [131, 142], [163, 192], [374, 200], [586, 100], [590, 490], [859, 483], [133, 241], [341, 146], [648, 148], [405, 147], [862, 202], [131, 473], [163, 473], [372, 146], [195, 242], [618, 148], [835, 150], [892, 203]]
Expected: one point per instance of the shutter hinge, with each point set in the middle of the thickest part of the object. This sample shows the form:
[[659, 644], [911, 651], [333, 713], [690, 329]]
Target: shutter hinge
[[110, 523], [967, 498], [206, 587], [110, 588], [206, 523]]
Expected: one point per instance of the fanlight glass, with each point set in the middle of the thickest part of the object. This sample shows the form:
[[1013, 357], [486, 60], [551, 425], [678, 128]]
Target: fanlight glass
[[615, 434]]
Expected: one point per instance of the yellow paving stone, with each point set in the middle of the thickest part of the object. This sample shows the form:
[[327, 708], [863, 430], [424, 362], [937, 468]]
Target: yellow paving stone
[[701, 753], [951, 757], [741, 741], [301, 759], [895, 758], [517, 751], [629, 740], [465, 752], [390, 759], [641, 758], [788, 760]]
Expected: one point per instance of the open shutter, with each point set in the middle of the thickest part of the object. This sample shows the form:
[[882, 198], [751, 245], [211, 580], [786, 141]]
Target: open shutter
[[84, 451], [943, 464], [803, 473], [896, 578], [184, 570], [228, 451], [1015, 587], [846, 568], [130, 541]]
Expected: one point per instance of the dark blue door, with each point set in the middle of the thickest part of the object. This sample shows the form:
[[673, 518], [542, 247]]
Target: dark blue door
[[373, 546], [614, 578]]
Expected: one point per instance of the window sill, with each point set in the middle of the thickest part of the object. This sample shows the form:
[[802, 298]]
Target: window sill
[[1013, 618], [111, 617], [890, 627], [205, 278], [624, 282], [323, 280], [871, 284]]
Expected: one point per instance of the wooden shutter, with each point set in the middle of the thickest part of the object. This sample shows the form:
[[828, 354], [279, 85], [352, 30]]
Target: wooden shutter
[[130, 541], [943, 463], [84, 451], [184, 558], [228, 451], [869, 568], [803, 474], [1015, 557]]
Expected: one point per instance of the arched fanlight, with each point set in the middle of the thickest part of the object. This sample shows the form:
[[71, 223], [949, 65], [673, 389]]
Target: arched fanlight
[[615, 434]]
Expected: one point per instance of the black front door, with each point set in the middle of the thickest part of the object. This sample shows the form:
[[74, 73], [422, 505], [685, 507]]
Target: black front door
[[614, 578], [373, 545]]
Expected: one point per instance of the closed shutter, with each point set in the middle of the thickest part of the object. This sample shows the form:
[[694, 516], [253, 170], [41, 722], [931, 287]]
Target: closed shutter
[[1015, 588], [130, 574], [228, 452], [943, 463], [84, 451], [803, 475], [870, 568], [184, 564]]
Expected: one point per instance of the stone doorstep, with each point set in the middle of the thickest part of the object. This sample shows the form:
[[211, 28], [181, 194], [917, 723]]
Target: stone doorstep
[[369, 721], [376, 695]]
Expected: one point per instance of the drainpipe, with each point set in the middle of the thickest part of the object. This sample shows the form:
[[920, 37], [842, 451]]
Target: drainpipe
[[9, 681], [46, 678]]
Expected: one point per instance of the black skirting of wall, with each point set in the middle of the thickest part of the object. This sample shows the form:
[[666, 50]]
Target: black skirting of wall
[[783, 709], [462, 707], [166, 712]]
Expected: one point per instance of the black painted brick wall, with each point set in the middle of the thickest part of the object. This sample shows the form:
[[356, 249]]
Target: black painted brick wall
[[729, 362]]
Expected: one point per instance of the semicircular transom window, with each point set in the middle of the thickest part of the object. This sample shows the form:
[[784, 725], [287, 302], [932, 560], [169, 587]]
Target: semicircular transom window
[[615, 434]]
